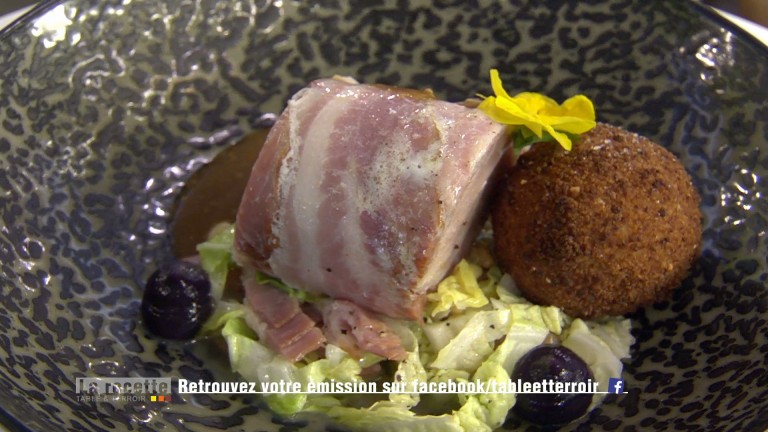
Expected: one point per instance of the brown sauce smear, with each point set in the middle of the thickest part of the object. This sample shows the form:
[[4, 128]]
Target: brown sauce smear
[[212, 195]]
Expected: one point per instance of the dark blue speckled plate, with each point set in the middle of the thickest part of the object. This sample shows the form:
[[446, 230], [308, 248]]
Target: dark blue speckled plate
[[108, 106]]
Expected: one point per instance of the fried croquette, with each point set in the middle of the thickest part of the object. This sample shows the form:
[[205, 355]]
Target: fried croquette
[[604, 229]]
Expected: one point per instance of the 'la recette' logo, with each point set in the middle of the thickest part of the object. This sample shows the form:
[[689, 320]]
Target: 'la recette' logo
[[140, 389]]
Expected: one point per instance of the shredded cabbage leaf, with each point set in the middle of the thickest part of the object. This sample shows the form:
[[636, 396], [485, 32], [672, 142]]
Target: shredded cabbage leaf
[[477, 327], [298, 294], [596, 351], [458, 291], [216, 258]]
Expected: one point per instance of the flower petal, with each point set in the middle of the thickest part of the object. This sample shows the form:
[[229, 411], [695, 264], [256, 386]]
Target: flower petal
[[572, 125], [536, 103], [498, 88], [537, 113], [579, 106], [561, 138], [489, 107], [513, 114]]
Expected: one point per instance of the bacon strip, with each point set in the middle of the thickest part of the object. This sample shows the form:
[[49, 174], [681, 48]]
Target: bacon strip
[[368, 193]]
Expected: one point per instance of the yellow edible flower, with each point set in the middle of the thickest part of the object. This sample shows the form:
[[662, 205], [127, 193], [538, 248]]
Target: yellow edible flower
[[539, 114]]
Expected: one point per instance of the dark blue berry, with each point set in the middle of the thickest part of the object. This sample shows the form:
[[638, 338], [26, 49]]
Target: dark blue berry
[[559, 364], [177, 300]]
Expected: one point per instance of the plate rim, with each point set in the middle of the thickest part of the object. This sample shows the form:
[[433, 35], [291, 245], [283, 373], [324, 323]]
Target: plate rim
[[712, 14], [34, 12], [11, 423]]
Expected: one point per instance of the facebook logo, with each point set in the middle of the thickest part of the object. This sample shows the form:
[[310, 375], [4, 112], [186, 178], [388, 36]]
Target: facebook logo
[[615, 385]]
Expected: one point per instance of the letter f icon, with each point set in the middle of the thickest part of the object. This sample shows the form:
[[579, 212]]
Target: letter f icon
[[615, 385]]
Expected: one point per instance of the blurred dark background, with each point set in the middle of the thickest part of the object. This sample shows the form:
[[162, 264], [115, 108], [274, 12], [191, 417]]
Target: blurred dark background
[[755, 10], [11, 5]]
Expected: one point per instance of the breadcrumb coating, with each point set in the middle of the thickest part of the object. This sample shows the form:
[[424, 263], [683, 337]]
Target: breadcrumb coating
[[607, 228]]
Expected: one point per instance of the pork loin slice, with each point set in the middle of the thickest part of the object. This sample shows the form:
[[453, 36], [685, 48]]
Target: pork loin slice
[[367, 193]]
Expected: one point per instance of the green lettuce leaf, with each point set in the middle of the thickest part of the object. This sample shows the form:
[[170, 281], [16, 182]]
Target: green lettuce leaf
[[337, 366], [255, 362], [386, 417], [225, 311], [300, 295], [459, 291], [486, 412], [596, 352], [409, 370], [616, 333], [216, 258], [474, 341], [477, 338], [440, 333]]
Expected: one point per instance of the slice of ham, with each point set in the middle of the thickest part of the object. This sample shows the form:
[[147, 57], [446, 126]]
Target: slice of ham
[[368, 193], [286, 328], [354, 330]]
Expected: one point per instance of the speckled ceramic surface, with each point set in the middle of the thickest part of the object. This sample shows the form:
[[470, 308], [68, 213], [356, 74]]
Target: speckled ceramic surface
[[107, 106]]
